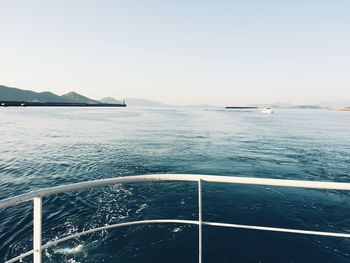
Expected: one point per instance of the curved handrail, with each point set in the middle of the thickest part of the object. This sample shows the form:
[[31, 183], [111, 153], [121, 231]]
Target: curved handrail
[[37, 195], [173, 177]]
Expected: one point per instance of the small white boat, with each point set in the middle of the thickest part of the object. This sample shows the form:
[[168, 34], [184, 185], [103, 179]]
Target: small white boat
[[267, 110]]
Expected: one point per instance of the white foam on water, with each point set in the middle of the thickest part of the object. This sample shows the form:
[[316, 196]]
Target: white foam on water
[[141, 208], [177, 229], [70, 250]]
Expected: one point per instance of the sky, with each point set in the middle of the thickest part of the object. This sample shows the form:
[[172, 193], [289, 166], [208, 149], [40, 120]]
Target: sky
[[179, 52]]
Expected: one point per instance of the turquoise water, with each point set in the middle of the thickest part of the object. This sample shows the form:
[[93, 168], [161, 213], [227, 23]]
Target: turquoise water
[[54, 146]]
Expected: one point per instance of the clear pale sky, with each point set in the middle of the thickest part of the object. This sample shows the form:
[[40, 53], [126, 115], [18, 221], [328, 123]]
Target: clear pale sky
[[179, 52]]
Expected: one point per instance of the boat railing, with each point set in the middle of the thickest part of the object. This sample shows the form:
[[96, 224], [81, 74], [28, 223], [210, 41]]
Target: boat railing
[[36, 197]]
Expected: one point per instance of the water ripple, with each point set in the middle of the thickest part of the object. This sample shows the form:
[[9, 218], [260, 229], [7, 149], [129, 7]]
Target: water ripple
[[45, 147]]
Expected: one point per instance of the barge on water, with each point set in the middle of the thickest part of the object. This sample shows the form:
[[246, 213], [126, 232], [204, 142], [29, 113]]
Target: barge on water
[[57, 104], [240, 108]]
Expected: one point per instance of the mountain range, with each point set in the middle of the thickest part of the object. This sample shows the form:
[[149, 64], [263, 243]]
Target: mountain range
[[15, 94]]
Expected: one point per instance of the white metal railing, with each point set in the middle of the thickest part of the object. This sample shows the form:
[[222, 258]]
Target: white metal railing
[[36, 196]]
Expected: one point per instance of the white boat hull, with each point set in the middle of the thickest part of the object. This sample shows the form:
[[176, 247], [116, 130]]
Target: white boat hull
[[267, 111]]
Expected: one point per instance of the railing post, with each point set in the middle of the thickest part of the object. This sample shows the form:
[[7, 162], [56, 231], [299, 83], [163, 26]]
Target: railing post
[[37, 224], [200, 225]]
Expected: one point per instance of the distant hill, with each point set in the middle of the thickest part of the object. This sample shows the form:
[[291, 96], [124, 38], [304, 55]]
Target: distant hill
[[335, 104], [284, 105], [133, 102], [312, 107], [15, 94], [75, 97], [205, 106], [273, 105], [110, 100]]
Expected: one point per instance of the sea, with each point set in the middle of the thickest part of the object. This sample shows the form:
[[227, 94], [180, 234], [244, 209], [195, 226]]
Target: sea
[[45, 147]]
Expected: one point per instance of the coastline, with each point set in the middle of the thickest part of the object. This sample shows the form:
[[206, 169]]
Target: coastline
[[56, 104], [341, 109]]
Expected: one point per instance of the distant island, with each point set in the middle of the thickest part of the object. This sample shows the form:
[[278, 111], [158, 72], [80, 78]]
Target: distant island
[[321, 105], [19, 97]]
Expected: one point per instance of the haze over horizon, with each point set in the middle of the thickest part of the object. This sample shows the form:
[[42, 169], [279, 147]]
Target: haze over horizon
[[179, 53]]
